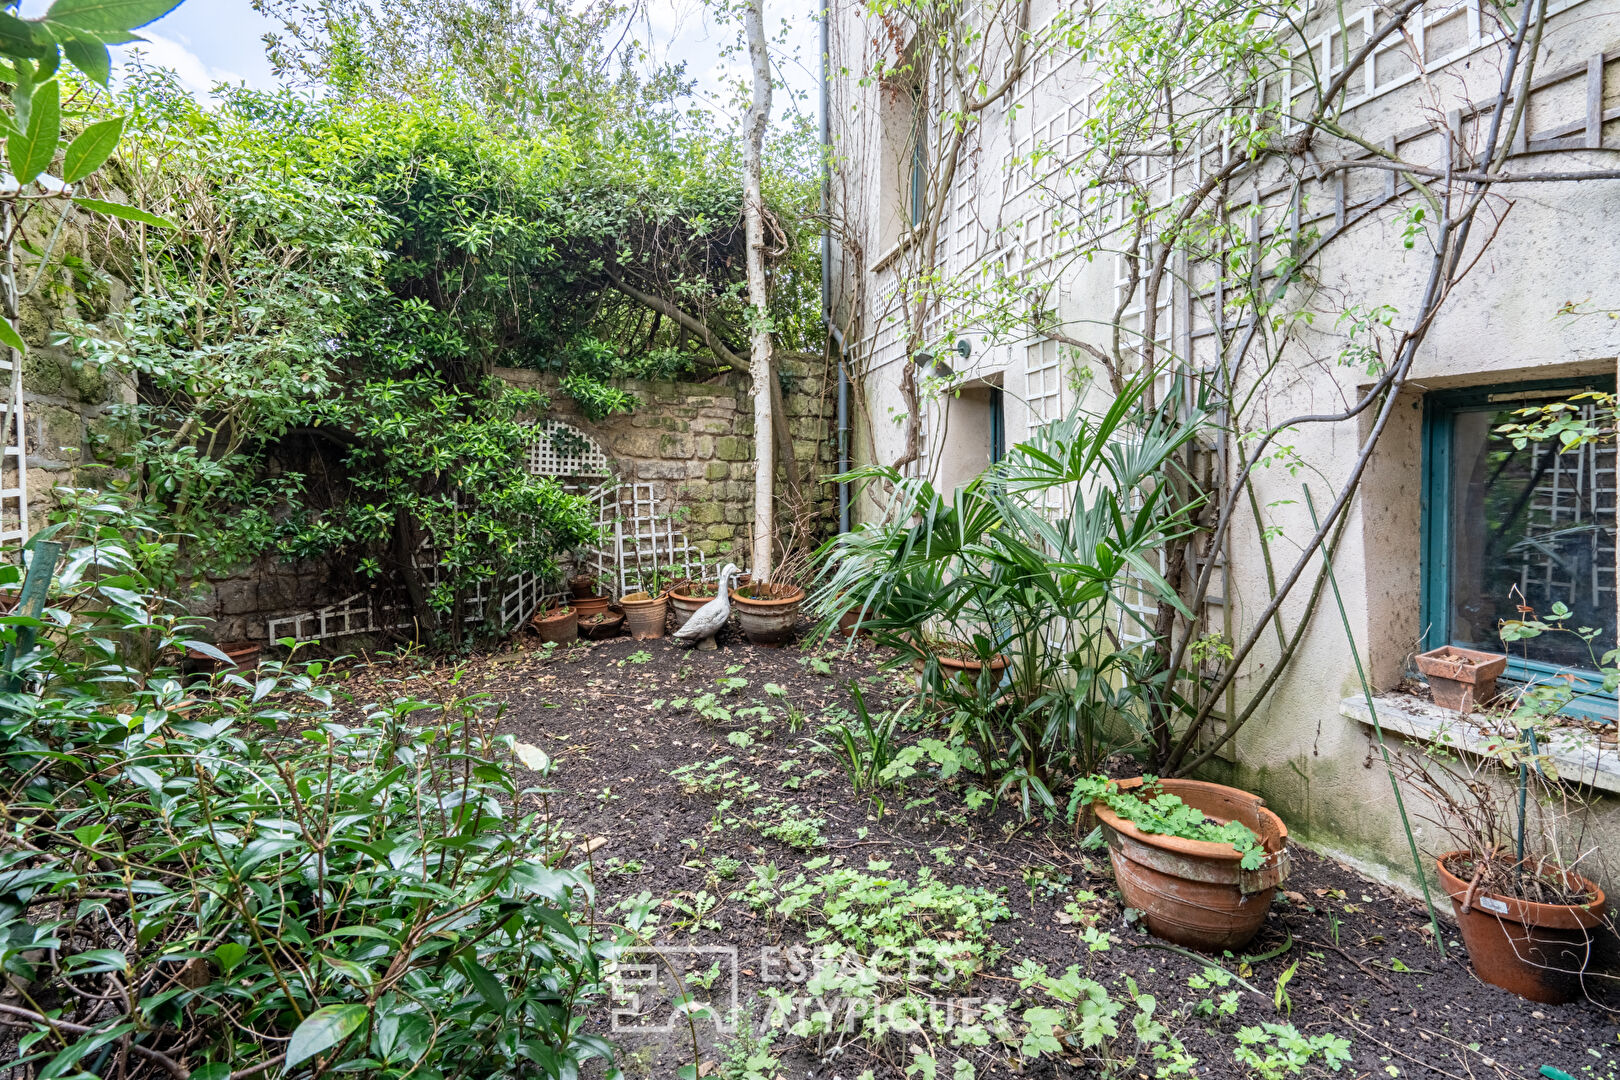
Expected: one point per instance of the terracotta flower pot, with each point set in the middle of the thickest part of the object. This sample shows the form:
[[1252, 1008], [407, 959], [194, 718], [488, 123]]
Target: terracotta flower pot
[[963, 668], [583, 586], [602, 625], [645, 614], [1538, 951], [244, 657], [589, 605], [768, 612], [1194, 892], [558, 625], [685, 601], [1461, 679]]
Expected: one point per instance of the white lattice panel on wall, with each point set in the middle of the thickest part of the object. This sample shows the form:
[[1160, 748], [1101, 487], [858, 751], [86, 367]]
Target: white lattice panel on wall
[[1043, 382], [13, 459], [565, 452]]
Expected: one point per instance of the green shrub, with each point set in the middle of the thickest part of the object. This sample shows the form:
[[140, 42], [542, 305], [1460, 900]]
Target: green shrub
[[251, 871]]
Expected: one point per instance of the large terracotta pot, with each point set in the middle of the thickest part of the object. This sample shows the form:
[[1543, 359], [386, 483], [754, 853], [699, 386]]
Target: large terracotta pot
[[963, 668], [684, 602], [590, 605], [583, 586], [558, 625], [1538, 951], [1194, 892], [645, 614], [602, 625], [768, 612]]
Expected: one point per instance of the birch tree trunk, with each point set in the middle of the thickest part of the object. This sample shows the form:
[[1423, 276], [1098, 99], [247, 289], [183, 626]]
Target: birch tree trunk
[[759, 114]]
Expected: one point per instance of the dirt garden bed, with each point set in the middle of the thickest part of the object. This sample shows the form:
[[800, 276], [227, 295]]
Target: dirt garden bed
[[712, 854]]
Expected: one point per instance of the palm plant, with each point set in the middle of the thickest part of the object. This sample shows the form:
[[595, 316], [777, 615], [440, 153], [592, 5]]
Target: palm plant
[[1045, 559]]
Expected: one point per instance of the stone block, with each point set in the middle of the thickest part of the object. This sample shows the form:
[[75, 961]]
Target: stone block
[[722, 532], [44, 372], [706, 513], [732, 448], [55, 432], [634, 444], [90, 382], [737, 491], [674, 445], [661, 470], [744, 471], [709, 425], [705, 447], [737, 514], [237, 596], [717, 470], [707, 547]]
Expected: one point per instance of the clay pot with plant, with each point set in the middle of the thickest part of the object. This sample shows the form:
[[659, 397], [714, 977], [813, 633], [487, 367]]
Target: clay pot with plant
[[768, 611], [557, 624], [686, 597], [601, 625], [582, 585], [1200, 861], [1461, 679], [646, 610], [1529, 918]]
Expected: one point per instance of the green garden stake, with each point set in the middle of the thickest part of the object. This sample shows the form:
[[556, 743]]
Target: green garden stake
[[1372, 710], [36, 588], [1555, 1074]]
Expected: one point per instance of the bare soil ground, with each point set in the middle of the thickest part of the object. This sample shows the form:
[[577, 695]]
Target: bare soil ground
[[1361, 963]]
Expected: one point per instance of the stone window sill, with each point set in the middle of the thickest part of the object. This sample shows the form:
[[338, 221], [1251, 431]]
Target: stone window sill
[[1579, 754]]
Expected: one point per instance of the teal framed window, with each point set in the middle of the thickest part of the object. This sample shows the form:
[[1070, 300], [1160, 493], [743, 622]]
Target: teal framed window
[[1506, 530]]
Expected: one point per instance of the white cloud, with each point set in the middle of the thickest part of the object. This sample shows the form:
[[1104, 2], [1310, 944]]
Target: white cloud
[[196, 75]]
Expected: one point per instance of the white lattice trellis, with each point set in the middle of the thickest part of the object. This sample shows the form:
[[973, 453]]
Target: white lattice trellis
[[13, 458], [639, 535]]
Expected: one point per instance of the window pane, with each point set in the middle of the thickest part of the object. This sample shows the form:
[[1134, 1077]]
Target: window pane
[[1530, 528]]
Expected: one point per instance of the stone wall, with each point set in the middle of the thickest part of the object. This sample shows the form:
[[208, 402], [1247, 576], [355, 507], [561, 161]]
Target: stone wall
[[695, 442]]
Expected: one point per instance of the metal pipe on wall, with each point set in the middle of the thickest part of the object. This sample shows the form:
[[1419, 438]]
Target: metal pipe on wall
[[834, 339]]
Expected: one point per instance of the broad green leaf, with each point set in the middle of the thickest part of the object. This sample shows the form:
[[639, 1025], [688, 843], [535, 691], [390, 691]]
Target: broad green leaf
[[99, 16], [128, 213], [229, 955], [9, 336], [31, 151], [94, 960], [87, 54], [19, 38], [488, 986], [321, 1030]]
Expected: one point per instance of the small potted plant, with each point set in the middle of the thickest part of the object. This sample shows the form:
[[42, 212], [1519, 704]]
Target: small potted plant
[[1528, 919], [956, 659], [601, 625], [1200, 861], [558, 624], [647, 609], [1461, 679]]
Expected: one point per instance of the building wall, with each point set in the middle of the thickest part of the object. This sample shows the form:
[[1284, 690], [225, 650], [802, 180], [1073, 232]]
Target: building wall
[[1556, 246]]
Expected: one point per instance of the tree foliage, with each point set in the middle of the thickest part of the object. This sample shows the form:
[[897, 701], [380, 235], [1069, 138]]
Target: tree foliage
[[316, 343]]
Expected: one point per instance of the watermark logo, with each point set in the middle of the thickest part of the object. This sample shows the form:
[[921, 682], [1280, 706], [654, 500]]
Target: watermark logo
[[659, 988]]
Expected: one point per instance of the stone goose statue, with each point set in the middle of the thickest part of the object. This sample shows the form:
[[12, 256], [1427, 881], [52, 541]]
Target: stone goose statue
[[707, 620]]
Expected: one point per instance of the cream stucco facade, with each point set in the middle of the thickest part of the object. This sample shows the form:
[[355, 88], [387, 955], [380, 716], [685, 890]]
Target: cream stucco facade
[[1309, 751]]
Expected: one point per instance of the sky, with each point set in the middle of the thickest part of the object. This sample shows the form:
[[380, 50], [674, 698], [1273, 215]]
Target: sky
[[210, 41]]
